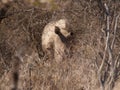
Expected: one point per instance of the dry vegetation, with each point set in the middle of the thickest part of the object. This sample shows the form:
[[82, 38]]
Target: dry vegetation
[[93, 62]]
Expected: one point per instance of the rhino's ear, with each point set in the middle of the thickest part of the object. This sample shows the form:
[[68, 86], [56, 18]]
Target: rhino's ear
[[57, 30]]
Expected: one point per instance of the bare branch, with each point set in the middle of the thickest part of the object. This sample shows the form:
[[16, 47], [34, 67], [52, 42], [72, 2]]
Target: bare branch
[[106, 9], [115, 29], [117, 59], [107, 42], [106, 49]]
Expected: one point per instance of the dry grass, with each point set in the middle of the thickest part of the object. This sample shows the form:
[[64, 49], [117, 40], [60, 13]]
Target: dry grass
[[20, 35]]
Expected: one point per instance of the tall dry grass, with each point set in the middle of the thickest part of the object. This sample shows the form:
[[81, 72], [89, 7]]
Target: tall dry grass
[[20, 33]]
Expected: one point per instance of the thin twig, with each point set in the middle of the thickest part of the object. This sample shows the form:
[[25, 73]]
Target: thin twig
[[30, 81], [116, 61], [107, 42], [113, 66], [106, 48], [115, 29]]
